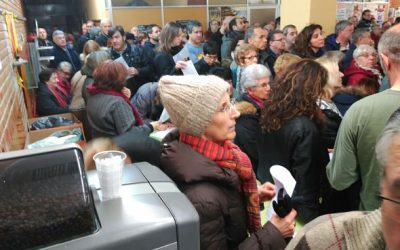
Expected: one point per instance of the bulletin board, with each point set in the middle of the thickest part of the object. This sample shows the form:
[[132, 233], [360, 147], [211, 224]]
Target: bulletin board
[[346, 9]]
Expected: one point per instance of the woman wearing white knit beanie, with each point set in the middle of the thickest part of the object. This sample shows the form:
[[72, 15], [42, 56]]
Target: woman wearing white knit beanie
[[212, 171]]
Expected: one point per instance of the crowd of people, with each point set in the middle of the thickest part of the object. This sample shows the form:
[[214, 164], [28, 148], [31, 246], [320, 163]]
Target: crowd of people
[[263, 96]]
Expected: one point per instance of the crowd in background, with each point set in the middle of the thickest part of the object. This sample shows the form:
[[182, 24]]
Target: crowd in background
[[312, 103]]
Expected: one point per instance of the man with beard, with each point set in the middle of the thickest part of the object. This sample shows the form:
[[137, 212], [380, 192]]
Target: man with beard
[[153, 31], [236, 32]]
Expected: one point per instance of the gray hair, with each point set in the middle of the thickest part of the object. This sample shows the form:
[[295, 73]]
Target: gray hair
[[357, 34], [64, 65], [391, 130], [249, 33], [57, 33], [363, 49], [105, 20], [93, 60], [389, 44], [252, 73], [341, 25], [286, 29]]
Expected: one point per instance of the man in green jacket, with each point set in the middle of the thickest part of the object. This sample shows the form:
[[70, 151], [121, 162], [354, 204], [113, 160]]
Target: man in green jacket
[[354, 156]]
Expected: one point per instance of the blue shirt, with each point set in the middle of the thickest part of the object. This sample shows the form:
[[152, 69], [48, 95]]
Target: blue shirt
[[195, 52]]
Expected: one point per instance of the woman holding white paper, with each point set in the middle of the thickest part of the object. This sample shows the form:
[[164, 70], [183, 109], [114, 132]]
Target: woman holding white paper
[[214, 174], [170, 45], [291, 122]]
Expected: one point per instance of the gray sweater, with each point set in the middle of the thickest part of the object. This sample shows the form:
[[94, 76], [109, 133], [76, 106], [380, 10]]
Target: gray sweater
[[110, 116]]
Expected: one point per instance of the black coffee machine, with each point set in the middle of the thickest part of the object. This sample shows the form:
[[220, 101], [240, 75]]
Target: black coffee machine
[[47, 200]]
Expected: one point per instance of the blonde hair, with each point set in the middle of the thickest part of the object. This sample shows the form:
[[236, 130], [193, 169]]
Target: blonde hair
[[330, 61], [241, 51], [89, 47], [284, 61]]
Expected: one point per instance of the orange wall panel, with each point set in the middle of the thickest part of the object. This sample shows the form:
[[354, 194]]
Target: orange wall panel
[[135, 16], [187, 13]]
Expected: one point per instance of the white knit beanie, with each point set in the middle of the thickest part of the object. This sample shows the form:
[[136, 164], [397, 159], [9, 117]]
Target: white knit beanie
[[192, 100]]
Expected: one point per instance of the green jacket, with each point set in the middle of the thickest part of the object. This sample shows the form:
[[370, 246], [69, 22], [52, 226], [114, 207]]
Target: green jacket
[[354, 155]]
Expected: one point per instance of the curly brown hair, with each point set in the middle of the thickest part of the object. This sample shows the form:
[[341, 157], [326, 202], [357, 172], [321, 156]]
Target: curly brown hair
[[294, 94], [302, 46]]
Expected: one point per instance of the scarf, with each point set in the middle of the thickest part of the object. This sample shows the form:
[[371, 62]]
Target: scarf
[[373, 71], [64, 84], [60, 95], [93, 90], [257, 101], [229, 156]]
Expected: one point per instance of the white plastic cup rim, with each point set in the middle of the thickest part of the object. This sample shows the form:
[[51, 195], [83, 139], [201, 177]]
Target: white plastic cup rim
[[98, 155]]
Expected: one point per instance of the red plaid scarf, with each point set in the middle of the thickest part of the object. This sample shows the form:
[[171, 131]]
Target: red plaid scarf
[[230, 156]]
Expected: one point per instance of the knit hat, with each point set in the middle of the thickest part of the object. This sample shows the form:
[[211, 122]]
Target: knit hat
[[191, 100]]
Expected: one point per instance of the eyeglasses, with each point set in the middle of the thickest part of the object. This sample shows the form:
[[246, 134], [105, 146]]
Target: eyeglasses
[[263, 85], [227, 109], [389, 199], [249, 57], [367, 55]]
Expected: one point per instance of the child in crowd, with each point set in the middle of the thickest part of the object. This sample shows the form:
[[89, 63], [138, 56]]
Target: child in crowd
[[209, 60]]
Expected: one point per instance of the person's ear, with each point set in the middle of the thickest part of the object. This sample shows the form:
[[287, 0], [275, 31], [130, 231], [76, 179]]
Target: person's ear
[[250, 91], [250, 40], [385, 61]]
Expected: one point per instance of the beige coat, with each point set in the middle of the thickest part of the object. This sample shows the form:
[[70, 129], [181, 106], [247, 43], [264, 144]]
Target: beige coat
[[352, 230]]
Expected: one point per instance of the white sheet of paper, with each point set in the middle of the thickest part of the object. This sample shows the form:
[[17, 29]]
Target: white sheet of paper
[[282, 179], [122, 61], [182, 55], [164, 117], [159, 135], [190, 69]]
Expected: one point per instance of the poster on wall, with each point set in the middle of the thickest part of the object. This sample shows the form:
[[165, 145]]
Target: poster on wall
[[344, 11], [378, 10], [219, 13], [391, 13], [348, 9], [260, 2], [233, 11]]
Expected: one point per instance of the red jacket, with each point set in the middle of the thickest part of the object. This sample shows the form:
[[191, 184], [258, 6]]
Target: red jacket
[[354, 74]]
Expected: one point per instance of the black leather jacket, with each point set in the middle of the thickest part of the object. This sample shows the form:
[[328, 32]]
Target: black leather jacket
[[298, 146]]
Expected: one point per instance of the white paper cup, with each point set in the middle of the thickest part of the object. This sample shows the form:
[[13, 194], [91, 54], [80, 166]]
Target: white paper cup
[[109, 166]]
